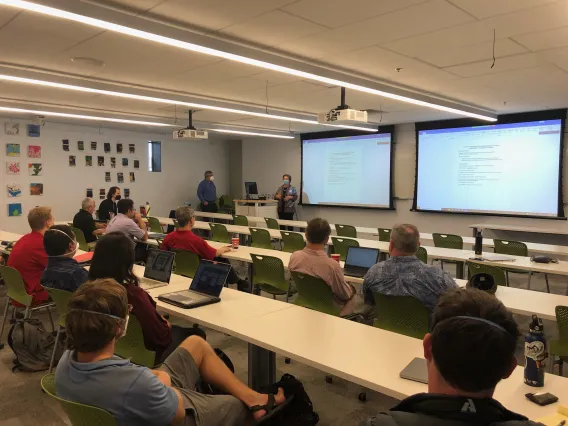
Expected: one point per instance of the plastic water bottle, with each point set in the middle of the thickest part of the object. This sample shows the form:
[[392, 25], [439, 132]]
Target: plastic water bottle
[[535, 353], [147, 208], [478, 243]]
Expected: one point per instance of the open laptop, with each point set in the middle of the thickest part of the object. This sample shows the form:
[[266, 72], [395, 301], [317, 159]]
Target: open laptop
[[205, 288], [158, 270], [416, 371], [359, 260]]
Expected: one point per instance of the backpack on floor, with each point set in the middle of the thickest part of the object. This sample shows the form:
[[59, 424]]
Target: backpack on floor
[[300, 411], [33, 346]]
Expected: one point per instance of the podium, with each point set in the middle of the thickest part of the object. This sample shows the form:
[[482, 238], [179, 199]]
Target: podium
[[257, 208]]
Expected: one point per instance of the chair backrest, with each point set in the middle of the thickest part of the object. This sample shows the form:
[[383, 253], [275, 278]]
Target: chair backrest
[[341, 246], [219, 233], [226, 201], [314, 293], [448, 241], [384, 234], [61, 299], [562, 321], [187, 263], [346, 231], [271, 223], [422, 254], [513, 248], [155, 225], [293, 241], [15, 288], [79, 414], [132, 345], [269, 270], [401, 314], [240, 220], [260, 238], [479, 268], [81, 240]]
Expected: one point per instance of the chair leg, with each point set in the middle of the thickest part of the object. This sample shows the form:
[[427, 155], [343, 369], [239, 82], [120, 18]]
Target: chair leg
[[54, 350], [530, 276], [442, 264], [4, 322], [274, 296], [547, 285], [507, 278], [561, 368], [50, 318]]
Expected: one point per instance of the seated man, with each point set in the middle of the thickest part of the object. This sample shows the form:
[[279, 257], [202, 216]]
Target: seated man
[[403, 274], [134, 395], [183, 238], [28, 255], [314, 261], [471, 348], [84, 221], [62, 272], [130, 222]]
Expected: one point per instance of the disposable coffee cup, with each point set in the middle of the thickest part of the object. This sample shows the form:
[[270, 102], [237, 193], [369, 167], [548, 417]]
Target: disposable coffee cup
[[336, 257], [235, 242]]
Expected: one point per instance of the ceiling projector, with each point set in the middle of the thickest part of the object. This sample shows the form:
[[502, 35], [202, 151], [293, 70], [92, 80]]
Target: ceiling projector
[[342, 115], [190, 134]]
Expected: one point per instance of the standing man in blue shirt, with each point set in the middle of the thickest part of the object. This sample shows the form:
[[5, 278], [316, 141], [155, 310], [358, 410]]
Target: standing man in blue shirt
[[207, 193]]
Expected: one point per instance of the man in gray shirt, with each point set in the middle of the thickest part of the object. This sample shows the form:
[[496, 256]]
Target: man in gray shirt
[[91, 374], [130, 222]]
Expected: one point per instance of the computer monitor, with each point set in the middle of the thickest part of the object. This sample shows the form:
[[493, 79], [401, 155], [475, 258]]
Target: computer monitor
[[251, 188]]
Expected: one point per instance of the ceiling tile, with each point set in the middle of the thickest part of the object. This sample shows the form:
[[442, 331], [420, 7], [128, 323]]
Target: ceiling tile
[[487, 8], [527, 60], [134, 5], [548, 39], [7, 13]]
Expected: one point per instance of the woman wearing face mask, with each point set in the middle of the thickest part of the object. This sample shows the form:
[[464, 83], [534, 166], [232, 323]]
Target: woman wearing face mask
[[114, 258], [286, 196], [108, 206]]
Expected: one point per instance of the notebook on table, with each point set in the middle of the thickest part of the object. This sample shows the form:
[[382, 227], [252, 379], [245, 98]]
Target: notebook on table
[[416, 370], [205, 288], [85, 257], [359, 260], [158, 269]]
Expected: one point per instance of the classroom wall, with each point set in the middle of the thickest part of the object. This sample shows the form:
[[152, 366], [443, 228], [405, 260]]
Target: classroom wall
[[183, 164], [284, 156]]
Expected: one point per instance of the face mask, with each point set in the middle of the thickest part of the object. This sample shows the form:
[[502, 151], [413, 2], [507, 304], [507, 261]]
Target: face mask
[[212, 178], [117, 197], [286, 182]]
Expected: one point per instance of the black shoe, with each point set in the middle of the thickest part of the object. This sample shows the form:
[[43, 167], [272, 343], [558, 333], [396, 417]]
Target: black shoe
[[243, 285]]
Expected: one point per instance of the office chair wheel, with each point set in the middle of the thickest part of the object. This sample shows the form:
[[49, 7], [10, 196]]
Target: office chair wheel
[[287, 360], [328, 379], [362, 397]]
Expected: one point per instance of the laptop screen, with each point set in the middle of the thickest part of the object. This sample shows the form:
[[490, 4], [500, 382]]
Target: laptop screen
[[362, 257], [159, 265], [210, 277]]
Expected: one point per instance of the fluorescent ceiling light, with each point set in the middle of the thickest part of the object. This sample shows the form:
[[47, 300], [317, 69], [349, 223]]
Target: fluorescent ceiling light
[[229, 56], [56, 85], [238, 132]]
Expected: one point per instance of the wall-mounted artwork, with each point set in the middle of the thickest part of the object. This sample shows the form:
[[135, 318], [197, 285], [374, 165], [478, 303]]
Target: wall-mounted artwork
[[14, 190], [120, 177], [102, 194], [125, 162], [36, 188], [72, 161], [35, 169], [131, 148], [107, 147], [34, 130], [136, 164], [89, 192], [34, 151], [107, 176], [13, 149], [93, 146], [14, 209], [13, 167], [113, 162], [12, 129], [119, 148], [132, 177], [101, 161], [80, 145], [126, 193], [88, 160], [65, 144]]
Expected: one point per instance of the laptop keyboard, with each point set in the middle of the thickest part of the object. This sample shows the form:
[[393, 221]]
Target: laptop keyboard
[[148, 284]]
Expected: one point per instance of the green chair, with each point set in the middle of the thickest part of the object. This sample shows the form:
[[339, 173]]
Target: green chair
[[559, 348], [219, 233], [79, 414], [346, 231], [341, 246], [16, 291], [226, 204], [81, 240], [186, 262], [479, 268], [271, 223], [515, 248], [422, 254], [155, 225], [384, 234], [176, 224], [450, 241], [260, 238], [315, 294], [132, 345], [240, 220], [401, 314], [61, 299], [269, 276], [293, 241]]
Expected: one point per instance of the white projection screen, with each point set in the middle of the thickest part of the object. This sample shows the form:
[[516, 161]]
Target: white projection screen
[[345, 170], [509, 169]]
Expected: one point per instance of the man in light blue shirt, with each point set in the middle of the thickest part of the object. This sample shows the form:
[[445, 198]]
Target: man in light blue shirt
[[91, 374], [207, 193]]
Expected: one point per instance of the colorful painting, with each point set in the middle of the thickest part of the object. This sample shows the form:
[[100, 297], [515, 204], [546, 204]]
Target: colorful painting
[[65, 144], [12, 129], [107, 147], [93, 146], [14, 209], [119, 148], [13, 167], [113, 162], [125, 162], [34, 151], [72, 161], [35, 169], [80, 145], [132, 177], [34, 130], [101, 161], [88, 160], [89, 192], [36, 188], [126, 193], [131, 148], [107, 176], [14, 190], [102, 194], [120, 177], [136, 164], [13, 149]]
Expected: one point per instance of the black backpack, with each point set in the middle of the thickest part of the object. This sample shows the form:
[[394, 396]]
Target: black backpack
[[300, 411]]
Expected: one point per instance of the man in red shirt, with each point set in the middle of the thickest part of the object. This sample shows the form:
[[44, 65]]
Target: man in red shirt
[[183, 238], [28, 256]]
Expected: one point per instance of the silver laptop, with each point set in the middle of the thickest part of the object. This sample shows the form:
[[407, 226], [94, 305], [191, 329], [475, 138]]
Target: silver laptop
[[205, 288], [416, 371], [359, 260], [158, 270], [156, 235]]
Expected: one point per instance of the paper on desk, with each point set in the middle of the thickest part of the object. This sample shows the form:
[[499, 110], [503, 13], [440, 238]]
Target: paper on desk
[[556, 418]]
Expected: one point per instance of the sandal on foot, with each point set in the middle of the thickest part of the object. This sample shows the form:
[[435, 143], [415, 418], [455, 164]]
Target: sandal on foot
[[270, 408]]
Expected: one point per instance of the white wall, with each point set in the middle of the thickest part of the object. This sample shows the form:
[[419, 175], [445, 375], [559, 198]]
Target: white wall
[[284, 157], [183, 164]]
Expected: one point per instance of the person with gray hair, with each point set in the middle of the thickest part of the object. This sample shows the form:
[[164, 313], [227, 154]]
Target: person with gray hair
[[183, 238], [84, 221], [403, 274]]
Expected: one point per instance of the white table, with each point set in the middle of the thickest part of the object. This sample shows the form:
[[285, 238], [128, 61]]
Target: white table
[[260, 208], [528, 229], [222, 216]]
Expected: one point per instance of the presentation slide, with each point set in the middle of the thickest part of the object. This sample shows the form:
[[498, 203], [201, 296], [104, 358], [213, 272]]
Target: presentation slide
[[347, 171], [509, 169]]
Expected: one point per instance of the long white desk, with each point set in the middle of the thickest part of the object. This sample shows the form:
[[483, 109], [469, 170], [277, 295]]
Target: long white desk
[[530, 229]]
